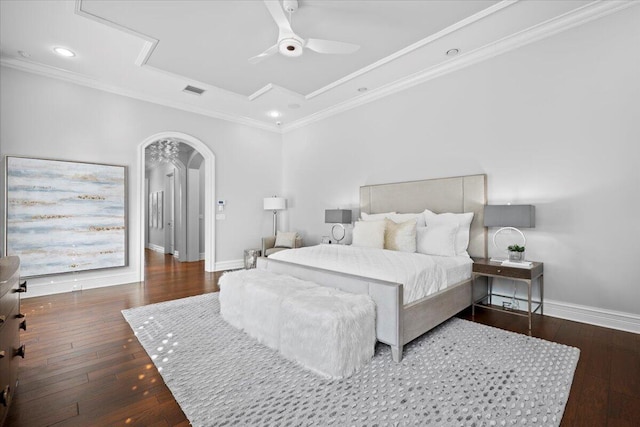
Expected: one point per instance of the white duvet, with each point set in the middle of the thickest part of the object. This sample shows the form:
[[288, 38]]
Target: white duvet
[[421, 275]]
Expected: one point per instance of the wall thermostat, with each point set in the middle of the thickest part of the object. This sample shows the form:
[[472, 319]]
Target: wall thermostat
[[221, 204]]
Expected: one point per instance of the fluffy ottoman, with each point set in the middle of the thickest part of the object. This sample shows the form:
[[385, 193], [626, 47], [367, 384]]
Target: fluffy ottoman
[[233, 295], [263, 313], [328, 331]]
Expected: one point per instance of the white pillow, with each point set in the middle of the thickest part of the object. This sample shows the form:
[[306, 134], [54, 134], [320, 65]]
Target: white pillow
[[400, 237], [375, 217], [369, 234], [463, 221], [439, 239], [285, 240], [398, 217]]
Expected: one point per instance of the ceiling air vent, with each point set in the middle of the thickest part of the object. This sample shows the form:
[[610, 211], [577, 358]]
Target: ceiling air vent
[[194, 90]]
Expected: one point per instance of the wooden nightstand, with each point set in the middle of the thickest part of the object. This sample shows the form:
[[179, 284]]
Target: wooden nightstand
[[490, 269]]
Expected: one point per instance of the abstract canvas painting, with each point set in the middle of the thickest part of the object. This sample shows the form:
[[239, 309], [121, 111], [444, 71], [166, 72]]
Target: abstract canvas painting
[[154, 210], [160, 208], [64, 216]]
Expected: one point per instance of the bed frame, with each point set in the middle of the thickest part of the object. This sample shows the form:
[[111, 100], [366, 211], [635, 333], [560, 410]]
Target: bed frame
[[396, 323]]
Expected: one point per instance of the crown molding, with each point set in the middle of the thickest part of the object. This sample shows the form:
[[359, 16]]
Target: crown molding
[[450, 29], [574, 18], [70, 77]]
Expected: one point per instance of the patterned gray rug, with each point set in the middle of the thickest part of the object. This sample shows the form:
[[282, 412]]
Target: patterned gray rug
[[459, 374]]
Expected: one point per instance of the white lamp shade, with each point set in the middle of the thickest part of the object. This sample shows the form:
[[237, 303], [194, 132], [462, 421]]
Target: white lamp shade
[[275, 203]]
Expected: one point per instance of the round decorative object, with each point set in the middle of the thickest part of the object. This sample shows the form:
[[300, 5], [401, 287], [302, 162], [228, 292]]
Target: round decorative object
[[503, 238], [338, 238]]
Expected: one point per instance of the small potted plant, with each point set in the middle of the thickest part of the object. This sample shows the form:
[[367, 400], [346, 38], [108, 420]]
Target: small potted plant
[[516, 253]]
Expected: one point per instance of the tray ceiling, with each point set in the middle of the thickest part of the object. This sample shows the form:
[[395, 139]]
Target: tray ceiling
[[152, 49]]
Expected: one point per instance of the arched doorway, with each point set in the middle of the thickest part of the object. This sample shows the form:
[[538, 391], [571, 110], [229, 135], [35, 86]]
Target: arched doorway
[[209, 194]]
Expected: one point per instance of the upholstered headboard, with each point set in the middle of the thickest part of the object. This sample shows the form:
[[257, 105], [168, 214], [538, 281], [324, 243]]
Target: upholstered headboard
[[458, 195]]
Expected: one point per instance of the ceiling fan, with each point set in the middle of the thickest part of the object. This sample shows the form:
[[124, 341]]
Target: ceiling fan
[[289, 43]]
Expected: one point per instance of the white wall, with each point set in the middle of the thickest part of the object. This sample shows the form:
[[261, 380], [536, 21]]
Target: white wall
[[555, 124], [48, 118]]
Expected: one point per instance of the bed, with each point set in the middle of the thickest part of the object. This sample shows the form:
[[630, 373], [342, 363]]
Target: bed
[[400, 320]]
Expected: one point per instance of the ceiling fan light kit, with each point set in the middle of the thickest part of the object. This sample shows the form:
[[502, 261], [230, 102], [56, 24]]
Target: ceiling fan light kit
[[290, 47], [289, 43]]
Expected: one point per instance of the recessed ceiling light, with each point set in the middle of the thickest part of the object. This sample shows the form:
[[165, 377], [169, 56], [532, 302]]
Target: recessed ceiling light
[[362, 89], [274, 114], [294, 106], [453, 52], [24, 54], [63, 51]]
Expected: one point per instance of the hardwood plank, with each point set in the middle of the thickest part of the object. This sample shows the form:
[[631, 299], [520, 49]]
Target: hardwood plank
[[84, 367], [53, 388], [109, 413], [624, 409], [39, 416], [593, 400], [572, 408], [625, 372], [69, 396]]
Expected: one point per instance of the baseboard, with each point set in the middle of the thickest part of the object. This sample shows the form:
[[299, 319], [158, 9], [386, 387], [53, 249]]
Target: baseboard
[[229, 265], [592, 315], [155, 248], [60, 284], [202, 256]]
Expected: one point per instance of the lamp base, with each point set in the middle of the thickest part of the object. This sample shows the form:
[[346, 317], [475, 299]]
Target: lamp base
[[333, 234], [275, 222]]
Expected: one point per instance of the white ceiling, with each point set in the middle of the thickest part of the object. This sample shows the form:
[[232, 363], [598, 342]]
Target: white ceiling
[[151, 50]]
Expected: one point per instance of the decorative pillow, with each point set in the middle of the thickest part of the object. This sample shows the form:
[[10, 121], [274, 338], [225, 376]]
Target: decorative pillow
[[375, 217], [285, 240], [400, 237], [398, 218], [368, 234], [463, 221], [439, 239]]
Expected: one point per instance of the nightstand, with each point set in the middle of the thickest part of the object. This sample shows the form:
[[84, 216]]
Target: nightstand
[[490, 269]]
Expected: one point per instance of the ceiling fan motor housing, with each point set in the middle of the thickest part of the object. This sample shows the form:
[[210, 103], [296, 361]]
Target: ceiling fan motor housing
[[290, 47], [290, 5]]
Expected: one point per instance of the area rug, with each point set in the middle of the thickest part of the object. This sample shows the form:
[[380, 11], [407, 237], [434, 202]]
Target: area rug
[[459, 374]]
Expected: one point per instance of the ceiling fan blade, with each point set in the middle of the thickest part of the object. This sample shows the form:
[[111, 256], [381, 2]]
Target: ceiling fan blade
[[277, 12], [329, 46], [273, 49]]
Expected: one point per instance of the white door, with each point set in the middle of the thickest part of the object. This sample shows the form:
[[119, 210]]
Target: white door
[[169, 214]]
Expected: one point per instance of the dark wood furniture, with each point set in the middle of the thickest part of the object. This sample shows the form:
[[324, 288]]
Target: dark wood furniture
[[483, 267], [11, 321]]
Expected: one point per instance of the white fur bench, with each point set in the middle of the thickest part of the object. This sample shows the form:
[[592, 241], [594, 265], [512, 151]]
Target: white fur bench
[[326, 330]]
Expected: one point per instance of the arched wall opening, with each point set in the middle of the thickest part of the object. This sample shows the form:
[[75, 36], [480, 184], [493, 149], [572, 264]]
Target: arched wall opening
[[209, 194]]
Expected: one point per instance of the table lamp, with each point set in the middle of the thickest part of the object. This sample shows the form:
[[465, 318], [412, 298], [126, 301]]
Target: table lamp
[[509, 217]]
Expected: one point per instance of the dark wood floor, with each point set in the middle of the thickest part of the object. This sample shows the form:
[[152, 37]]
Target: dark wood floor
[[84, 367]]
